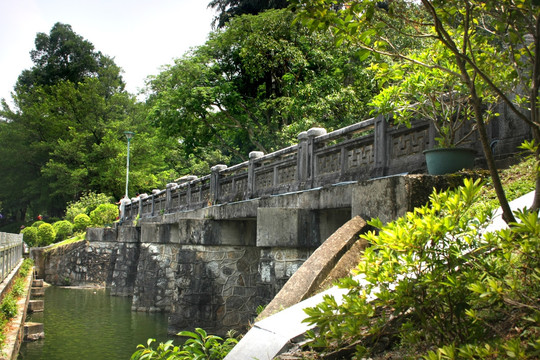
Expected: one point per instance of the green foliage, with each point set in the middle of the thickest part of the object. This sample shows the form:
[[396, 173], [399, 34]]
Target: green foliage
[[37, 224], [63, 229], [81, 222], [30, 235], [256, 85], [413, 91], [8, 307], [86, 204], [26, 267], [18, 287], [199, 345], [434, 278], [46, 234], [104, 214]]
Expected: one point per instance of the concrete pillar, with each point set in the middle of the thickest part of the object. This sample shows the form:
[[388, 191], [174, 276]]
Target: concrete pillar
[[214, 182], [170, 188], [380, 146], [251, 172], [311, 163]]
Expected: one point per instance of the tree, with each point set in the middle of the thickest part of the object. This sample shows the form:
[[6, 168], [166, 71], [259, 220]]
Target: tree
[[255, 85], [63, 55], [482, 38], [230, 8], [64, 136]]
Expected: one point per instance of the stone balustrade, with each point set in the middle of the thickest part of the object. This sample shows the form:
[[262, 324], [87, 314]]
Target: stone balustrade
[[369, 149]]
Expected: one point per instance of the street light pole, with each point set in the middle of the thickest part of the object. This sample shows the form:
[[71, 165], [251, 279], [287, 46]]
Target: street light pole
[[129, 135]]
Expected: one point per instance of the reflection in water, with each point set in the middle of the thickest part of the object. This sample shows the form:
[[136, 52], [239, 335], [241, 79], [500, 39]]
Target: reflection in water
[[88, 324]]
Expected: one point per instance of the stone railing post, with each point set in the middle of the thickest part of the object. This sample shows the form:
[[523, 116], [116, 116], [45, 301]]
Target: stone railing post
[[186, 179], [302, 159], [214, 182], [251, 188], [170, 187], [380, 147], [311, 166]]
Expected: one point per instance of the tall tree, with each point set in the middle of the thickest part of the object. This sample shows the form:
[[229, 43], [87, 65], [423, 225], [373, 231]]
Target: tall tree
[[64, 136], [227, 9], [256, 84]]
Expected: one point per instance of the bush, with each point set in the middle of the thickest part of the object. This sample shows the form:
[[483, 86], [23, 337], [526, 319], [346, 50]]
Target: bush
[[30, 236], [81, 222], [434, 279], [26, 267], [9, 306], [104, 214], [63, 229], [46, 234], [199, 345], [38, 223], [85, 205], [18, 287]]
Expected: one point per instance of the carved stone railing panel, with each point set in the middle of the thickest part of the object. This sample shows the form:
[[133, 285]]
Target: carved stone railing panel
[[360, 156], [410, 143], [286, 174], [328, 163], [264, 179]]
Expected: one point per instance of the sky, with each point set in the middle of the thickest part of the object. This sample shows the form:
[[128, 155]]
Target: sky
[[140, 35]]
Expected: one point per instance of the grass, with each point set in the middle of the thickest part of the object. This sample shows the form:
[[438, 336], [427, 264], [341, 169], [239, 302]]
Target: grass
[[75, 238]]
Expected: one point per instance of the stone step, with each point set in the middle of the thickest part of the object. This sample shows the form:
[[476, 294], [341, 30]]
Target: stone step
[[33, 331], [36, 305], [37, 283], [37, 291]]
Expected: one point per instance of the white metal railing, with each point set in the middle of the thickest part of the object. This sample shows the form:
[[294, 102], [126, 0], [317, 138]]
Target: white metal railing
[[11, 252]]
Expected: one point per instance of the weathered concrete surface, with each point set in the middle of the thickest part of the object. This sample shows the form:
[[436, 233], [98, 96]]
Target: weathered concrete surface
[[308, 278], [391, 197], [33, 331], [36, 306]]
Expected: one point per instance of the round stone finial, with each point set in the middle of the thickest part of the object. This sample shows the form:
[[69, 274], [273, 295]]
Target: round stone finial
[[218, 167], [256, 154], [316, 132], [303, 135]]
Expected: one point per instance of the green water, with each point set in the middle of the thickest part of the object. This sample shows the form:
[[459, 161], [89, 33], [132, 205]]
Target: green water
[[88, 324]]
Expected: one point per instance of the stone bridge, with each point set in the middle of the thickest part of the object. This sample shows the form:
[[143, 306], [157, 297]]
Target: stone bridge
[[210, 250]]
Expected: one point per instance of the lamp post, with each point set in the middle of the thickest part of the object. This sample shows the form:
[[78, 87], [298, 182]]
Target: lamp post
[[129, 135]]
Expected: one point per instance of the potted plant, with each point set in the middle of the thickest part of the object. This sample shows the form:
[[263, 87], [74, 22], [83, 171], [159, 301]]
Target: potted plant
[[437, 94]]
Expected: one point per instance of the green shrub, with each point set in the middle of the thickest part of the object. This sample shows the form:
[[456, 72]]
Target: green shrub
[[433, 278], [199, 345], [26, 266], [81, 222], [104, 214], [63, 229], [8, 307], [38, 223], [85, 205], [30, 236], [46, 234], [18, 287]]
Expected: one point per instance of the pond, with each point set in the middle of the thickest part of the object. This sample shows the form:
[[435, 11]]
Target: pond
[[89, 324]]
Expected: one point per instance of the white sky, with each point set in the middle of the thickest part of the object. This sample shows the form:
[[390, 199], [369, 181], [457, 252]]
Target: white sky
[[140, 35]]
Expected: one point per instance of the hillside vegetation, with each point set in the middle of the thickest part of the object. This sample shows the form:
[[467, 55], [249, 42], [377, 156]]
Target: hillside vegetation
[[434, 285]]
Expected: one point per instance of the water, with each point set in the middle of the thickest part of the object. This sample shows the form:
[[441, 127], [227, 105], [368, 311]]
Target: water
[[88, 324]]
